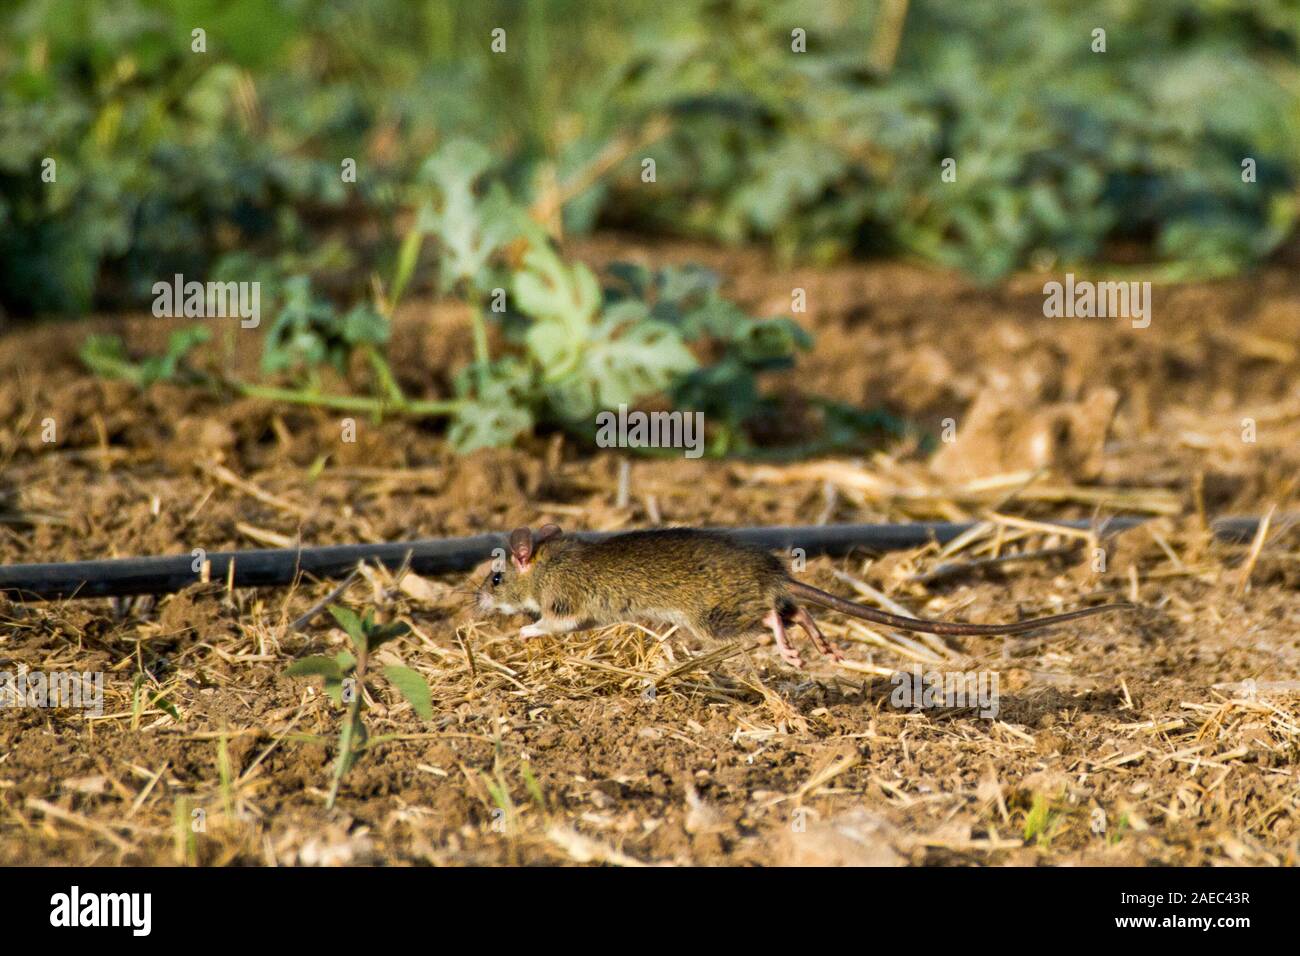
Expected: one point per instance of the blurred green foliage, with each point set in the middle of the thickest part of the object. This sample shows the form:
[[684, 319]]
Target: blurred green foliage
[[222, 163], [575, 346], [1058, 148], [107, 356], [309, 332]]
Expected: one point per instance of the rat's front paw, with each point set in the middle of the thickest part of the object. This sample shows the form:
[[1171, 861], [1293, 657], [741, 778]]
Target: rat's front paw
[[531, 630]]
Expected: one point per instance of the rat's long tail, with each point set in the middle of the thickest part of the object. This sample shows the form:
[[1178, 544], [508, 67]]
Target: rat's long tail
[[826, 599]]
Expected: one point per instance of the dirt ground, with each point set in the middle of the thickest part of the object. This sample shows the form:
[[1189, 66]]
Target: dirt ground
[[1170, 735]]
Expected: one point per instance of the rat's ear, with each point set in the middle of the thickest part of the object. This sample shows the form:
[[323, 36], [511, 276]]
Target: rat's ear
[[521, 547]]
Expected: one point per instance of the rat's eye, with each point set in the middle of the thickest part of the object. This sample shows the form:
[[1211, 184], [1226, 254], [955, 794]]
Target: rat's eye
[[496, 578]]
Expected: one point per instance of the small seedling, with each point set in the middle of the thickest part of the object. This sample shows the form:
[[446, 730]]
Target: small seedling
[[345, 676], [1041, 821], [144, 698], [185, 841]]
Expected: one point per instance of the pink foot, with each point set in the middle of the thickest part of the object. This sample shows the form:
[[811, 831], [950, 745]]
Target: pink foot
[[788, 653], [805, 620]]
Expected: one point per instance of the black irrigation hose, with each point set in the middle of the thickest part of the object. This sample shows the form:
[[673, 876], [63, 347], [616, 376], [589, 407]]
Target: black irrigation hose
[[278, 567]]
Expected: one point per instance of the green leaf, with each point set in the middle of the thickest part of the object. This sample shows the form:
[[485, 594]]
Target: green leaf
[[533, 787], [413, 687], [458, 164], [590, 360], [362, 325], [631, 358], [636, 277], [548, 291], [315, 666], [717, 317], [470, 231], [407, 257], [499, 412], [348, 620], [554, 348], [179, 345], [388, 632], [502, 221], [167, 707], [487, 425], [334, 688], [770, 339]]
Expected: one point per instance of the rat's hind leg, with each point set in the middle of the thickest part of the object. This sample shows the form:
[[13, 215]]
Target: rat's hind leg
[[788, 653], [805, 620]]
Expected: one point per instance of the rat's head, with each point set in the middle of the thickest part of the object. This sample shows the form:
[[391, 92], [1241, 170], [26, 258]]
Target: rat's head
[[510, 587]]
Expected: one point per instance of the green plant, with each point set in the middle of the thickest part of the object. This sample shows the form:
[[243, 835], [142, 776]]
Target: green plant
[[593, 352], [107, 356], [585, 348], [506, 812], [578, 348], [309, 332], [1041, 820], [162, 159], [310, 335], [1057, 148], [169, 161], [575, 347], [345, 675], [471, 232], [144, 697], [496, 404], [185, 841], [725, 390]]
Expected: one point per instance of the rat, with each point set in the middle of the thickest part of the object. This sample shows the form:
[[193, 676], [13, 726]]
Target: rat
[[702, 581]]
